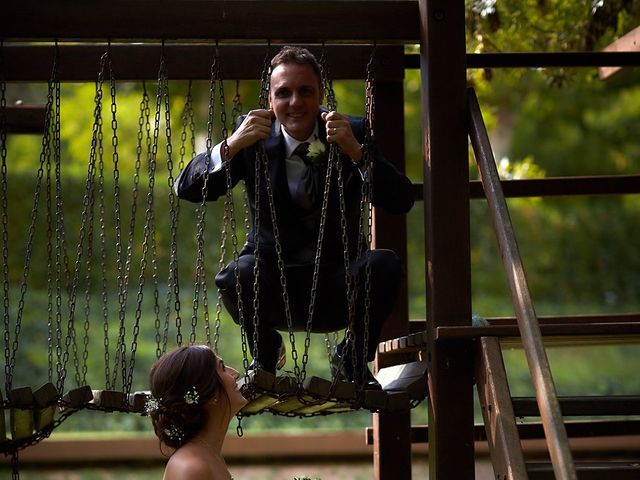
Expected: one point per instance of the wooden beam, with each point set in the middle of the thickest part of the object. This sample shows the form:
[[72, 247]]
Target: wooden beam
[[497, 411], [27, 119], [28, 63], [301, 21], [447, 259], [392, 446], [627, 43]]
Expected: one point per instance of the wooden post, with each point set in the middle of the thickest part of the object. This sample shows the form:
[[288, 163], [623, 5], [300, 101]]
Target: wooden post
[[392, 431], [447, 268]]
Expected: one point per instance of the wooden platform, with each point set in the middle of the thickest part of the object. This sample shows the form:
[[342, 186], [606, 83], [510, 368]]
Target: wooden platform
[[403, 387], [557, 331]]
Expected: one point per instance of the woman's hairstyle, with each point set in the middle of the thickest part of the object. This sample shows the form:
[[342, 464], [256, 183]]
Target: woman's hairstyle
[[182, 382], [299, 56]]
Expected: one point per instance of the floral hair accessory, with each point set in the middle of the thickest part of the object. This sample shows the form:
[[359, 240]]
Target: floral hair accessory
[[192, 397], [151, 405], [174, 433]]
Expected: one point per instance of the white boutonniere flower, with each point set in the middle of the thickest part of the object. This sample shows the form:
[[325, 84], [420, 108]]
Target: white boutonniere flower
[[317, 152]]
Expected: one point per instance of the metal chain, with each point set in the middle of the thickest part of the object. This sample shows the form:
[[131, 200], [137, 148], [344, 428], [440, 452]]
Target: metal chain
[[366, 204], [87, 206], [261, 156], [62, 259], [4, 205], [149, 226], [50, 274], [173, 290], [97, 141], [202, 208], [349, 280], [134, 208], [235, 113], [10, 363], [90, 193], [225, 135]]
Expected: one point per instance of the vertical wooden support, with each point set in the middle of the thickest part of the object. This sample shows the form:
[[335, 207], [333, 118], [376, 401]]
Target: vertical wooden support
[[447, 269], [3, 428], [392, 431], [497, 410]]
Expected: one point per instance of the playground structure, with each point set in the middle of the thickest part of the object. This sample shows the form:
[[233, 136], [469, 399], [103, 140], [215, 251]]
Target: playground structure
[[456, 352]]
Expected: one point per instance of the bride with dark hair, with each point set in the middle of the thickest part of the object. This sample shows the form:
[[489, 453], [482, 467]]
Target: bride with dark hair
[[194, 397]]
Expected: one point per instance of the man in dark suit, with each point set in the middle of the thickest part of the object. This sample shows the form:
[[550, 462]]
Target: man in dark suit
[[296, 133]]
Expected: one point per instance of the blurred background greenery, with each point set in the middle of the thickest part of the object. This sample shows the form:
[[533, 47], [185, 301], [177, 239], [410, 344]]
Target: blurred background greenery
[[580, 253]]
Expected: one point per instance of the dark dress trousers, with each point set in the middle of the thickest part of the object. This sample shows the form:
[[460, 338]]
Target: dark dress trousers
[[298, 236]]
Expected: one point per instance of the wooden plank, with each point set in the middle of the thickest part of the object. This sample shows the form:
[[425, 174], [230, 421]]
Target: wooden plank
[[535, 430], [447, 237], [193, 19], [321, 387], [374, 400], [543, 59], [27, 119], [497, 411], [21, 412], [582, 406], [80, 62], [45, 401], [561, 186], [589, 470], [137, 401], [110, 400], [259, 403], [265, 390], [556, 186], [611, 332], [629, 42], [77, 397]]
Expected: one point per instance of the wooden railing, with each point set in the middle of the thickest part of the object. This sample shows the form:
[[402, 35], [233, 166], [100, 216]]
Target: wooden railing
[[535, 353]]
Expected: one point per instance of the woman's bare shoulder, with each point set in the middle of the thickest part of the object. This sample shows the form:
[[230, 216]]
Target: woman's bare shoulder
[[185, 463]]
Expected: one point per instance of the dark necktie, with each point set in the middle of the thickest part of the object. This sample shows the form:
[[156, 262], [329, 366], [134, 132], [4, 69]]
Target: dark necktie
[[309, 191]]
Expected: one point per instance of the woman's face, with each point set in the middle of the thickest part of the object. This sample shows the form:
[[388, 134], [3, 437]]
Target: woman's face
[[228, 377]]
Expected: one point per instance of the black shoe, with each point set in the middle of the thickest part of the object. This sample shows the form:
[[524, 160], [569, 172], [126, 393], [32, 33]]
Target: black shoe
[[342, 370], [281, 359]]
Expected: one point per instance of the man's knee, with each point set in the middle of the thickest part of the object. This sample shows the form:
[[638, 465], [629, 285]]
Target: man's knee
[[385, 266], [242, 269]]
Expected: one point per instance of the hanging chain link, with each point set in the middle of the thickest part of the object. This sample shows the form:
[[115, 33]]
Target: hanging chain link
[[173, 289], [149, 225], [10, 351], [4, 205], [223, 236], [366, 206], [236, 111], [199, 281]]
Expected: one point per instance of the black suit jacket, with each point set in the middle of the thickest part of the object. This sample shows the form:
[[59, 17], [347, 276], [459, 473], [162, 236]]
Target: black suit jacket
[[297, 227]]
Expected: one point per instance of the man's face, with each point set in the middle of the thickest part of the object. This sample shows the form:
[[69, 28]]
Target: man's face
[[295, 98]]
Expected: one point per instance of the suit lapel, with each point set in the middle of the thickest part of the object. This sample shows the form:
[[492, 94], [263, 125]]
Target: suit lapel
[[275, 150]]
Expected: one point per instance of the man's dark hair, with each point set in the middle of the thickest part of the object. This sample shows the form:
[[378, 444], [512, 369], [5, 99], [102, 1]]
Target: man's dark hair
[[297, 55]]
